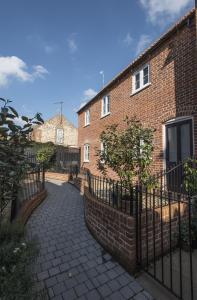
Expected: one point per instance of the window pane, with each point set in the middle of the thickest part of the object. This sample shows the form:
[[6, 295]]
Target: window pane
[[108, 105], [137, 81], [60, 136], [172, 143], [146, 75], [88, 152], [88, 117], [185, 141], [104, 105]]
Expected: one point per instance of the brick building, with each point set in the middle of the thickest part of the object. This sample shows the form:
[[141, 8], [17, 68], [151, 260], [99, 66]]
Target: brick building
[[160, 89], [57, 130]]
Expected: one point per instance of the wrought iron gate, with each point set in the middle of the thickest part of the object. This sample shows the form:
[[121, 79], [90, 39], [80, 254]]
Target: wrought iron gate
[[166, 245]]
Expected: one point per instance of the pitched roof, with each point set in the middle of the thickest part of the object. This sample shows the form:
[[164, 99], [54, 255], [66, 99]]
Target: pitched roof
[[143, 55]]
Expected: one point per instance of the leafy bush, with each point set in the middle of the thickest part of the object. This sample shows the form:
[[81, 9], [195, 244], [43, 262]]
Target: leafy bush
[[45, 153], [16, 257], [190, 176], [13, 141], [127, 152]]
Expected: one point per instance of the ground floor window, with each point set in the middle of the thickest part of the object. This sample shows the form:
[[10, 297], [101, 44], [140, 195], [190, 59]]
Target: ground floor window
[[86, 152]]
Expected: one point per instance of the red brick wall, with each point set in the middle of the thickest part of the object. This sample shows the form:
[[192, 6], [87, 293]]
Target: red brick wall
[[113, 229], [30, 205], [116, 231], [172, 94]]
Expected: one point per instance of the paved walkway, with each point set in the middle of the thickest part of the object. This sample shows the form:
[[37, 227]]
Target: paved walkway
[[72, 265]]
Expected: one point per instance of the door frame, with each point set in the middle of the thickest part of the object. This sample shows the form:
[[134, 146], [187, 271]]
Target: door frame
[[171, 122]]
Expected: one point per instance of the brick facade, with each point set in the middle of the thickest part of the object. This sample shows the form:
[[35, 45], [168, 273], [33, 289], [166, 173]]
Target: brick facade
[[47, 132], [171, 94]]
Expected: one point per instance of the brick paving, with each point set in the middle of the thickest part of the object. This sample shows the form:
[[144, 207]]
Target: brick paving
[[71, 264]]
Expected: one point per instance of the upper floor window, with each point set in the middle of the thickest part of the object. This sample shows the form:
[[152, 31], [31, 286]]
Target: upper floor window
[[87, 117], [141, 78], [105, 106], [86, 153], [59, 136]]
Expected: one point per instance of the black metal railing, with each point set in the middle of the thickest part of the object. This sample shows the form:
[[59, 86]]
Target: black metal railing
[[166, 239], [31, 185], [112, 193], [165, 222], [13, 197]]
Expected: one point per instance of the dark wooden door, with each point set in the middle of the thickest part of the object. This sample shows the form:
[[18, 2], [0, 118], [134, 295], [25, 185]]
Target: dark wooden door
[[179, 146]]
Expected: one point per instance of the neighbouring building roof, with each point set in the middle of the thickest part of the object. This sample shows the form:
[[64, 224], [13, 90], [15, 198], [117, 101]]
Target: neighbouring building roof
[[144, 54]]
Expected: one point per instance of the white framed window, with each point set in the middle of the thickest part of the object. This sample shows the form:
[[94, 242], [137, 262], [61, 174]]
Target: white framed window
[[59, 136], [87, 117], [141, 146], [103, 150], [86, 153], [105, 110], [141, 79]]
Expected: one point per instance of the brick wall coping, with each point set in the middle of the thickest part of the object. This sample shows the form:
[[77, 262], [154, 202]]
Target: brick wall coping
[[30, 205]]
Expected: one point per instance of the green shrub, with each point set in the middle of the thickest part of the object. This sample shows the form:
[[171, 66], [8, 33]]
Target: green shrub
[[13, 141], [45, 154], [16, 257]]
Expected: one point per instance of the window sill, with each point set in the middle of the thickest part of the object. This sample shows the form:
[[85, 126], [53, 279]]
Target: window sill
[[86, 125], [86, 161], [141, 89], [103, 116]]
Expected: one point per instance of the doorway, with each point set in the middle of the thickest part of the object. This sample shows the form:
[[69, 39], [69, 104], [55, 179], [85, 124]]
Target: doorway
[[179, 146]]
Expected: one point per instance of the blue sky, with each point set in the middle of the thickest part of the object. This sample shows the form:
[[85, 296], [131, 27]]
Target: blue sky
[[54, 50]]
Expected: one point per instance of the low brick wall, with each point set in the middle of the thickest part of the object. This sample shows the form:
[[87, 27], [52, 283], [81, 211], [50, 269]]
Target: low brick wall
[[30, 205], [57, 176], [114, 230]]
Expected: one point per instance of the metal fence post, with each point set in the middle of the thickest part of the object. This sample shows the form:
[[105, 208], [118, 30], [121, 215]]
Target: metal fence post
[[43, 177], [136, 224], [14, 203]]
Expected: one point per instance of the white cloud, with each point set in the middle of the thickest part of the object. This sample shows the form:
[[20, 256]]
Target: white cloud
[[161, 10], [128, 39], [143, 42], [72, 44], [39, 72], [14, 67], [89, 93]]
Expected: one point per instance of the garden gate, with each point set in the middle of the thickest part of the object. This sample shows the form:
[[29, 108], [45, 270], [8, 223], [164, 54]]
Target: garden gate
[[165, 228]]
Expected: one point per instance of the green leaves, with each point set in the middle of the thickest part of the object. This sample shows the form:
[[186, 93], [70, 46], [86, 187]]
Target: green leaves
[[14, 139], [13, 111], [190, 176], [38, 117], [24, 118], [128, 152]]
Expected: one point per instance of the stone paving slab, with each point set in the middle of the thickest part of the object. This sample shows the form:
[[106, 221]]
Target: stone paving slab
[[71, 264]]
